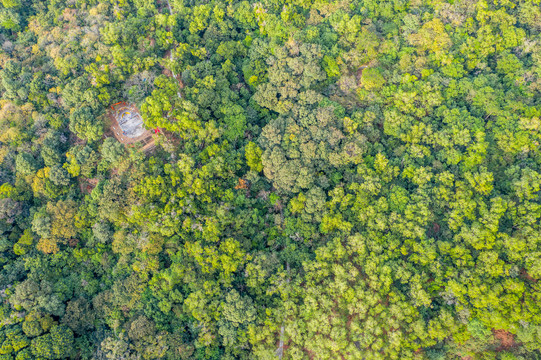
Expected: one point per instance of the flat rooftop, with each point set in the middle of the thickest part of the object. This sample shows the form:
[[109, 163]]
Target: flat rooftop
[[130, 122], [127, 126]]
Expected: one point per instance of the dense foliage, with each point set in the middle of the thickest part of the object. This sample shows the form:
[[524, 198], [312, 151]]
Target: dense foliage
[[352, 179]]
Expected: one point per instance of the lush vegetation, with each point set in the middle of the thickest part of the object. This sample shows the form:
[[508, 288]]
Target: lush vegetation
[[339, 179]]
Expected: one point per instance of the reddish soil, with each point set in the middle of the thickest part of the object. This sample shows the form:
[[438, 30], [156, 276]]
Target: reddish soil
[[359, 74], [310, 353], [146, 139], [75, 140], [525, 275], [507, 340], [88, 185]]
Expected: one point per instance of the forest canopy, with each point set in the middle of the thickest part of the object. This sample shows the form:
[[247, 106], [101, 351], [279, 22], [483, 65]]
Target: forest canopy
[[329, 179]]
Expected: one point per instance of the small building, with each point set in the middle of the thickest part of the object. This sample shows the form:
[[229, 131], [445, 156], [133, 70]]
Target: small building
[[128, 127]]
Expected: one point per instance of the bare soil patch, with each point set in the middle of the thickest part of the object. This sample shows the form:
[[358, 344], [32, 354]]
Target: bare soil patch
[[129, 133]]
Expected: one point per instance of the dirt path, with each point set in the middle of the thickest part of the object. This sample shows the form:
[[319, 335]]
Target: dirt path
[[171, 58], [280, 351]]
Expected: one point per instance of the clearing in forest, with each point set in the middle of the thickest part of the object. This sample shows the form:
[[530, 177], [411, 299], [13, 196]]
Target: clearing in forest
[[128, 128]]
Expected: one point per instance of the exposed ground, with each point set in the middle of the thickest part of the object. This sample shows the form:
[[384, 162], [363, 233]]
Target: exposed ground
[[126, 125], [88, 185]]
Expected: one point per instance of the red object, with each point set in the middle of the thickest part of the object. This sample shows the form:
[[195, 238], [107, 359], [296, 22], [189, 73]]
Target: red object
[[156, 131], [117, 103]]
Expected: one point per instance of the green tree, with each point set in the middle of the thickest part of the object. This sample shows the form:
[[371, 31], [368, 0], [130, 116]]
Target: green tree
[[26, 164], [112, 150], [253, 157], [57, 344], [85, 124], [59, 175]]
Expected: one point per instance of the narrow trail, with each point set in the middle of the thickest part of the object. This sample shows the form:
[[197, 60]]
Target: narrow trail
[[280, 351], [171, 58]]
